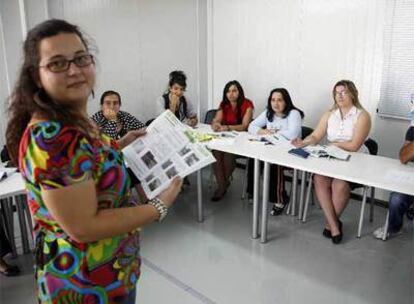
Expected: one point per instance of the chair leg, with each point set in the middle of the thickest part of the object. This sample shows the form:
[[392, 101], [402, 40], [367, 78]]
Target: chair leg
[[308, 192], [292, 204], [361, 215], [384, 236], [244, 183], [372, 203], [302, 193]]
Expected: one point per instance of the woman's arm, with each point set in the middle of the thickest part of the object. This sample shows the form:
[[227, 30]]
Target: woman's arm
[[216, 122], [361, 131], [258, 124], [407, 153], [316, 136], [131, 122], [75, 208]]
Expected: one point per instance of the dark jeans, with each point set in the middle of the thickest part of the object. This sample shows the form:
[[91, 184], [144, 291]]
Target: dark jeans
[[277, 193], [398, 206]]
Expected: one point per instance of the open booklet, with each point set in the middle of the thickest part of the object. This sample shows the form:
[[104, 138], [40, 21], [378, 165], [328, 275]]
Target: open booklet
[[168, 149], [327, 151]]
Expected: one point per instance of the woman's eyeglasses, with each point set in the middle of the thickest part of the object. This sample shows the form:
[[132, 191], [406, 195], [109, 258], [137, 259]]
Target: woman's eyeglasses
[[62, 65]]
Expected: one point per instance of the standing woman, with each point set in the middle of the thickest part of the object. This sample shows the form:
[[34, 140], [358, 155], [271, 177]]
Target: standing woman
[[234, 114], [86, 226], [283, 118], [347, 126], [175, 101]]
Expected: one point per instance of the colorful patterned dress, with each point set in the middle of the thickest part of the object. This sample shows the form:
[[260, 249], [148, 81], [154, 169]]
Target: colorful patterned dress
[[55, 156]]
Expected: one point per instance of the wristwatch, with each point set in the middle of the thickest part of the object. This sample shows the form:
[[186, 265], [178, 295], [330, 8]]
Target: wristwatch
[[160, 206]]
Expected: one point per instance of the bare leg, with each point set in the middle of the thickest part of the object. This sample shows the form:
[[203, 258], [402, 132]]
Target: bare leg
[[324, 193], [219, 170], [229, 165], [340, 195]]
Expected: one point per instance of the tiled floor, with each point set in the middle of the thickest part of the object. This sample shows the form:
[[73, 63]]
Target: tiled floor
[[218, 262]]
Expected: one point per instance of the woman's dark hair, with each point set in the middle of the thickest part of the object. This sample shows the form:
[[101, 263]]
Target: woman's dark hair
[[178, 77], [288, 101], [110, 92], [27, 98], [240, 99]]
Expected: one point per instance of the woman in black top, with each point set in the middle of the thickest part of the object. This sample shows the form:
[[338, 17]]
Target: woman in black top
[[175, 101]]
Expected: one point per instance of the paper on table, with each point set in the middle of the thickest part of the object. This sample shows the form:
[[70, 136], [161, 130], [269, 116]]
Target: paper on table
[[399, 176]]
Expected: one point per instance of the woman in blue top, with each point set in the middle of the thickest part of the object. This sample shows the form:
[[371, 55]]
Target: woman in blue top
[[283, 118]]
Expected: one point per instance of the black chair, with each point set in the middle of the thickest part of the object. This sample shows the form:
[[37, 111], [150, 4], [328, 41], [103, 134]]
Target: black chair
[[149, 121], [306, 131], [210, 114]]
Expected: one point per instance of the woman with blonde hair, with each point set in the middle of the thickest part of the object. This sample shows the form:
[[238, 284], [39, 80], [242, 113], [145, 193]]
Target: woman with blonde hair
[[347, 126]]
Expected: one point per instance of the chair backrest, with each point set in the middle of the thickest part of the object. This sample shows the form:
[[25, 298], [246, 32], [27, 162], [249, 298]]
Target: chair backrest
[[306, 131], [149, 121], [372, 146], [209, 116]]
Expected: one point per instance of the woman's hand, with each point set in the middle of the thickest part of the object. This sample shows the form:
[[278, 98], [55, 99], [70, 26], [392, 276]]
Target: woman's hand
[[216, 126], [169, 195], [131, 136], [265, 132], [298, 143], [110, 114], [224, 128], [192, 121]]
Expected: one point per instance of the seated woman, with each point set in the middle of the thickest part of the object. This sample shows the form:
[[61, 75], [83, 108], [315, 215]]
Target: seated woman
[[234, 114], [175, 101], [116, 124], [111, 120], [283, 118], [347, 125]]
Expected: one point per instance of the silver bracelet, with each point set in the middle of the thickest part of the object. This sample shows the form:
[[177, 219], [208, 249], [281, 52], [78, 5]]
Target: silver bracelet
[[160, 206]]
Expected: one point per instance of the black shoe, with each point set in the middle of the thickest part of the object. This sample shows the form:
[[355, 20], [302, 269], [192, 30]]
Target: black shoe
[[277, 209], [327, 233], [218, 195], [336, 239]]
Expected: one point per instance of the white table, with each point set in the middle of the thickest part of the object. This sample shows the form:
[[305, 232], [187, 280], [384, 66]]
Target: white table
[[365, 169], [368, 170], [11, 190], [237, 147]]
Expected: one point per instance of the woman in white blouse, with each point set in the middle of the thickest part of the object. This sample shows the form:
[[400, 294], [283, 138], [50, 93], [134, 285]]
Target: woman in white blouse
[[283, 118], [347, 126]]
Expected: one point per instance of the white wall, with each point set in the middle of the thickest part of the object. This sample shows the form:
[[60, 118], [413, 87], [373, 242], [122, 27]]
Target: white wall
[[303, 45], [139, 43]]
